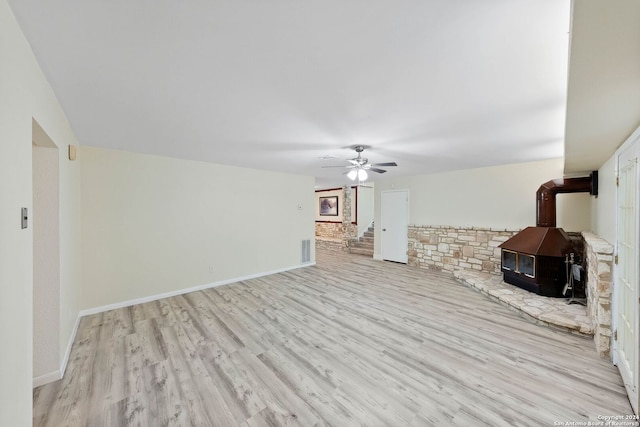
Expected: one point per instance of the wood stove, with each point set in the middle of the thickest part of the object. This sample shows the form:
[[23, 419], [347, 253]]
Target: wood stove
[[534, 259]]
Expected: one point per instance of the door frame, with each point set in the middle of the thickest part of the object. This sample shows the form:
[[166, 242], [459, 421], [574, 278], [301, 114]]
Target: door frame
[[633, 140]]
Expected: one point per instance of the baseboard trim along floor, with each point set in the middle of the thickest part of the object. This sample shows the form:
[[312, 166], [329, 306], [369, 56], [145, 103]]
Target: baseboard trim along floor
[[156, 297]]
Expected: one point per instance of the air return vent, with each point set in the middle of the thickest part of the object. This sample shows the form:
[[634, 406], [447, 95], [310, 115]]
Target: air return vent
[[305, 251]]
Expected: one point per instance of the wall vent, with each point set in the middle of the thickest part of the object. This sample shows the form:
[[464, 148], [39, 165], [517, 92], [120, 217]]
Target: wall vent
[[305, 251]]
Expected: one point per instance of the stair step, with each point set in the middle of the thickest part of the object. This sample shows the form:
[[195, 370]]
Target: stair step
[[361, 251], [363, 245], [364, 240], [360, 245]]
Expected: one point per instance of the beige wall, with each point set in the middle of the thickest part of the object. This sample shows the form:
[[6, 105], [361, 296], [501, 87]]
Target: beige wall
[[365, 208], [154, 225], [573, 211], [500, 197], [603, 208], [329, 193], [25, 95]]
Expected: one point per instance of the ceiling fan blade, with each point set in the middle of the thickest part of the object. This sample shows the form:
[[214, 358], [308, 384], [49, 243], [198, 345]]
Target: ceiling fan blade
[[385, 164], [377, 170], [343, 166]]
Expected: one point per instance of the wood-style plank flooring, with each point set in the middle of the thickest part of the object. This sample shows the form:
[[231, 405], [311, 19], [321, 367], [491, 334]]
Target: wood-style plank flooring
[[349, 342]]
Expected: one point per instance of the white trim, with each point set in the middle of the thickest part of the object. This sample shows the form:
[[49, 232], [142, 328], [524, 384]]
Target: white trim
[[47, 378], [72, 339], [59, 373], [156, 297], [377, 257]]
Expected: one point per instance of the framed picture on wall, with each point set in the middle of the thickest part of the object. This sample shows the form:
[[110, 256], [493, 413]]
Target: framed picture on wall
[[329, 206]]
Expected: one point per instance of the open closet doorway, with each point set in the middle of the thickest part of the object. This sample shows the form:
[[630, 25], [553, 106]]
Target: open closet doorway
[[45, 219]]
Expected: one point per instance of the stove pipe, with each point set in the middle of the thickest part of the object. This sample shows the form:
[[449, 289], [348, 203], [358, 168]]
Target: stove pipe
[[546, 195]]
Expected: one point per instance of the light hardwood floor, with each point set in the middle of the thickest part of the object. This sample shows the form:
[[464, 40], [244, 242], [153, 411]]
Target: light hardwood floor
[[349, 342]]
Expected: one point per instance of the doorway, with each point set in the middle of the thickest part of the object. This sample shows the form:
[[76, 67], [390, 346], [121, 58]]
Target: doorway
[[627, 299], [45, 220], [394, 222]]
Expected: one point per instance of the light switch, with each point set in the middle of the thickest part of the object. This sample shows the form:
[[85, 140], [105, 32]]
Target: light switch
[[25, 218]]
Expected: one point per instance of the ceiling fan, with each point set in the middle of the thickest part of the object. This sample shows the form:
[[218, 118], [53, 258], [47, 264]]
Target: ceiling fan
[[360, 165]]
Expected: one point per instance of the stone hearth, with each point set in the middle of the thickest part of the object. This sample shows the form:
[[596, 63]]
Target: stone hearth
[[554, 312]]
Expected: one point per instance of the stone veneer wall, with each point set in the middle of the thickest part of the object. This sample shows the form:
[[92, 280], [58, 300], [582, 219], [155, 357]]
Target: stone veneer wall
[[337, 232], [599, 267], [347, 227], [456, 248], [329, 230], [332, 245]]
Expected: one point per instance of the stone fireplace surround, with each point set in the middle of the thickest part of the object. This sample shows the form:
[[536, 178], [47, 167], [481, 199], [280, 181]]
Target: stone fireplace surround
[[599, 267], [452, 248], [475, 251]]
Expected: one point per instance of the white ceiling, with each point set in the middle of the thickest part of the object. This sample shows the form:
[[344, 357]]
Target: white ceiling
[[603, 103], [433, 85]]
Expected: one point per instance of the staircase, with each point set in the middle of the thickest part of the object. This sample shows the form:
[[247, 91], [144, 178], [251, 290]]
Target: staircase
[[363, 245]]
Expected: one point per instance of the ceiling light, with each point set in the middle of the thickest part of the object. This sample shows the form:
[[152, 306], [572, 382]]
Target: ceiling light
[[362, 175], [352, 174]]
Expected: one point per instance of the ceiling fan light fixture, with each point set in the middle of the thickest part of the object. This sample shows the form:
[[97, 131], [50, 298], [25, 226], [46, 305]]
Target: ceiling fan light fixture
[[359, 167]]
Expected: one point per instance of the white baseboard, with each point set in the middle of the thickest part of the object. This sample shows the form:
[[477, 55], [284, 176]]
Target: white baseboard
[[47, 378], [59, 373], [156, 297], [72, 339]]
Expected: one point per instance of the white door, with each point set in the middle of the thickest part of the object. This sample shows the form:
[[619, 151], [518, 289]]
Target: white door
[[626, 346], [394, 224]]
